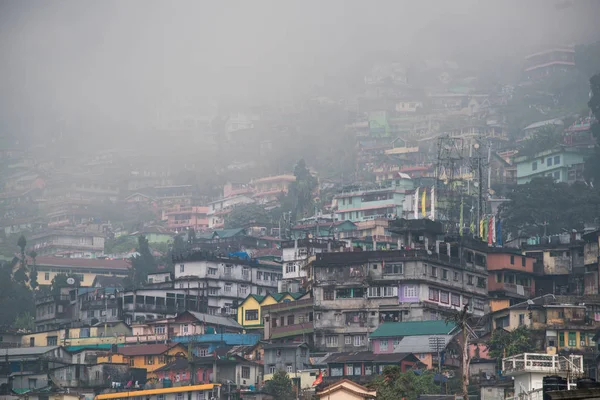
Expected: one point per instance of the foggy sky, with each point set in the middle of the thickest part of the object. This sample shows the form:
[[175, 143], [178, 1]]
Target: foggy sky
[[115, 64]]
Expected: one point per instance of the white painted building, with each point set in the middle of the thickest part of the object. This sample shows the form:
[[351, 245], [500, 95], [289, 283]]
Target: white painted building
[[225, 282]]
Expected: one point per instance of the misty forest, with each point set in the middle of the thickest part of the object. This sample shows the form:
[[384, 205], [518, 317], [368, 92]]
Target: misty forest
[[299, 200]]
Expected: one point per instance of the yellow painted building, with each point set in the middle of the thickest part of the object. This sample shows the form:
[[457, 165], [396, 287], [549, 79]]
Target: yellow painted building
[[113, 334], [147, 356], [84, 269], [205, 391], [249, 313]]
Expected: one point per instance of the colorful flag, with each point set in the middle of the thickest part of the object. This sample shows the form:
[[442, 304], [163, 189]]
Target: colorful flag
[[484, 233], [499, 233], [472, 227], [460, 223], [319, 379], [494, 231], [417, 203], [433, 203], [490, 230], [481, 229], [423, 206]]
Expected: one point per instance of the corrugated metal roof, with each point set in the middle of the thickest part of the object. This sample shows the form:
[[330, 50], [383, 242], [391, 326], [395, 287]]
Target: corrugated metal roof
[[413, 328], [27, 351]]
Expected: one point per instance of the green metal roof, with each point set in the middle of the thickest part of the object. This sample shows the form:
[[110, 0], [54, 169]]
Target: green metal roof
[[277, 296], [292, 333], [103, 346], [296, 295], [258, 298], [413, 328]]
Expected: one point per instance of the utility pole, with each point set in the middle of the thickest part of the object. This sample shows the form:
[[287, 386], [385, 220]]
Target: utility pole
[[437, 344]]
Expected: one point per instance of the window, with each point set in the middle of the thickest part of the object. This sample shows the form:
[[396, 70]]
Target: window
[[131, 361], [245, 372], [272, 369], [410, 291], [481, 282], [521, 319], [556, 160], [523, 261], [328, 294], [469, 279], [32, 382], [445, 274], [47, 276], [368, 370], [91, 313], [434, 272], [444, 297], [394, 268], [359, 340], [348, 340], [259, 275], [246, 273], [228, 288], [149, 360], [512, 260], [212, 271], [243, 289], [113, 312], [572, 339], [561, 339], [556, 174], [424, 269], [228, 269], [184, 328], [162, 359], [290, 320], [181, 268], [455, 300], [534, 166], [456, 276], [289, 369], [251, 315], [331, 341], [212, 291], [52, 340], [434, 294], [290, 267], [349, 369], [179, 396], [478, 304], [203, 352], [159, 330], [383, 344], [549, 161]]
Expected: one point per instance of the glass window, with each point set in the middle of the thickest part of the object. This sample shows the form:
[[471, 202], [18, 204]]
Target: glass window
[[289, 368], [349, 369], [556, 174], [347, 339], [549, 161], [383, 344], [556, 160], [534, 166], [572, 339]]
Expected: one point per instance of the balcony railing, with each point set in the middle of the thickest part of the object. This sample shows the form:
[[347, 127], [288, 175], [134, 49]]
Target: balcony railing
[[542, 363], [288, 305]]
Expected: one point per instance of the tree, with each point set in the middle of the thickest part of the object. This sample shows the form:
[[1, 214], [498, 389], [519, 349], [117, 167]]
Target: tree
[[24, 321], [280, 386], [546, 138], [395, 384], [545, 207], [460, 319], [246, 214], [15, 297], [299, 200], [33, 283], [505, 343], [143, 263], [21, 274], [592, 165]]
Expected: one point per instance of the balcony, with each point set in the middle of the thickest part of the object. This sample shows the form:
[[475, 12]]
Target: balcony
[[98, 304], [287, 306], [511, 288], [292, 330], [542, 363], [53, 299], [153, 308]]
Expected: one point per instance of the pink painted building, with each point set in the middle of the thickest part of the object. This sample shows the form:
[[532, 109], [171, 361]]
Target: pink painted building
[[270, 188], [187, 217]]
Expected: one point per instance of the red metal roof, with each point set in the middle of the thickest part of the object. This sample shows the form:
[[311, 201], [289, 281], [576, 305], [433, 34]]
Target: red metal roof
[[90, 263]]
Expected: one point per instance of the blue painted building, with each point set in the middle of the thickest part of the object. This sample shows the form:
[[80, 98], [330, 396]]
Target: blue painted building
[[563, 164]]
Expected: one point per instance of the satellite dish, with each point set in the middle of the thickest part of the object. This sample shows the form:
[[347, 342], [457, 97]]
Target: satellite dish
[[70, 281]]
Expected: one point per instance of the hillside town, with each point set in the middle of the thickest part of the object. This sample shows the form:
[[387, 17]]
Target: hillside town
[[429, 232]]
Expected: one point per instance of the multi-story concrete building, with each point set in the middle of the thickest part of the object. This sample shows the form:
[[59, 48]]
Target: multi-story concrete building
[[355, 291], [511, 277], [225, 281], [86, 270], [69, 243], [270, 188], [287, 357], [561, 164], [298, 253], [292, 320], [218, 209], [363, 205], [180, 218]]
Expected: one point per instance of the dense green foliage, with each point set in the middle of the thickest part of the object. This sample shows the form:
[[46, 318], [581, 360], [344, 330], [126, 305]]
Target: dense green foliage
[[141, 264], [280, 386], [394, 384], [60, 281], [15, 297], [509, 343], [543, 206], [244, 215]]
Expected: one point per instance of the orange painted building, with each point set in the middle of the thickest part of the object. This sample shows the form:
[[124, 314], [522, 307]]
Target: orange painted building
[[511, 278]]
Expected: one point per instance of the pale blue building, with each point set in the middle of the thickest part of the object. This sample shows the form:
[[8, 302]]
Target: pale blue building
[[563, 164]]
